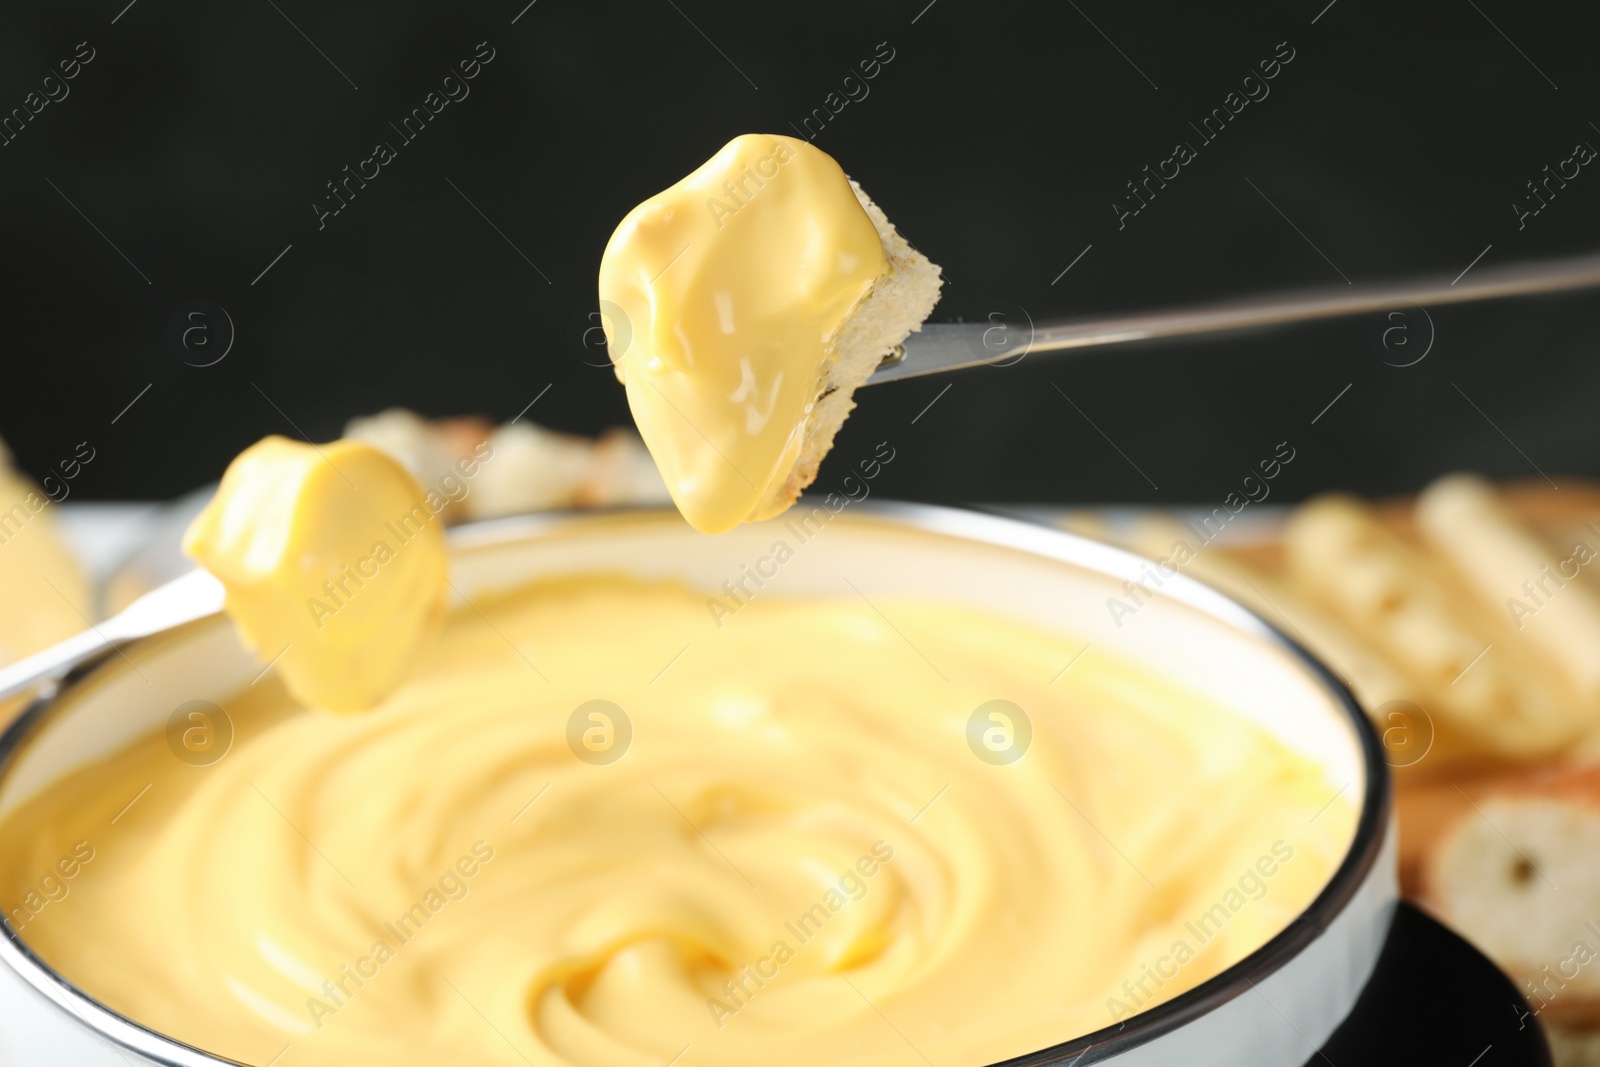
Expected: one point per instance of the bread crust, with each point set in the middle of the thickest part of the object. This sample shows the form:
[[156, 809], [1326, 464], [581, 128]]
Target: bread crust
[[893, 309]]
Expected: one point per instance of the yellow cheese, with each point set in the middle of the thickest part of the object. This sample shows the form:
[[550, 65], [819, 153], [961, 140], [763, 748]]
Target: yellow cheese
[[46, 594], [334, 563], [723, 294], [797, 844]]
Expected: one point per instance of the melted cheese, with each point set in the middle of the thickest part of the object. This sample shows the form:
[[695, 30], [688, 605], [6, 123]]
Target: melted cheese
[[800, 856], [722, 295], [334, 563]]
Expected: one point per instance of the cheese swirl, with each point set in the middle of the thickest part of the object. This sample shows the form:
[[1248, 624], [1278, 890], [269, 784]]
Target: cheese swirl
[[791, 846]]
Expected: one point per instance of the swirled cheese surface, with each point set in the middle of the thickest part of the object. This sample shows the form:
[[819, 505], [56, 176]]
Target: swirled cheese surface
[[590, 831]]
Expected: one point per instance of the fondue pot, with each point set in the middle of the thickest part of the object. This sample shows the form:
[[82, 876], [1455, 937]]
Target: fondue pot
[[1356, 979]]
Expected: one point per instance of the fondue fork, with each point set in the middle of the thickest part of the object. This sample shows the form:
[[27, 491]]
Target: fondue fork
[[936, 348], [942, 346], [194, 596]]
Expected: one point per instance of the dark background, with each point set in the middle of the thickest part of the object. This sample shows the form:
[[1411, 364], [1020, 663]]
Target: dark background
[[191, 149]]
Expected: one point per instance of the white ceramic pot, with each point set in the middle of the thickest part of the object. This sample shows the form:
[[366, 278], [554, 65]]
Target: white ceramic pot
[[1273, 1009]]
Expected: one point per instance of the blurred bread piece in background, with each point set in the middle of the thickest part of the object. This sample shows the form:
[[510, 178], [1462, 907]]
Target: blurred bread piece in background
[[1542, 587], [41, 582], [516, 468], [1517, 872], [430, 449], [623, 473], [1486, 689], [531, 469]]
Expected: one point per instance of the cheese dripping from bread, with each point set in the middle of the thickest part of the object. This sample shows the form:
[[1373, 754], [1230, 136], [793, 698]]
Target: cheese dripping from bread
[[742, 308]]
